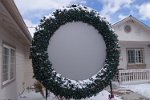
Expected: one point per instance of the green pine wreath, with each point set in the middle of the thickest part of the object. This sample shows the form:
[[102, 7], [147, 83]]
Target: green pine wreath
[[42, 67]]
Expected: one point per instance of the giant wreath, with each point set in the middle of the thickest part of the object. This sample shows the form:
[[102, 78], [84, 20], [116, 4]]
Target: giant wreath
[[42, 67]]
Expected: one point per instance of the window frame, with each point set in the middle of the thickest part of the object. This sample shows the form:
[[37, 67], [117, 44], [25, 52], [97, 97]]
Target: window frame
[[135, 62], [9, 80]]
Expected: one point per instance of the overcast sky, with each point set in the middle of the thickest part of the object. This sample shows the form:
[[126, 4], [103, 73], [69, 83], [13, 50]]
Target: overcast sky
[[114, 10]]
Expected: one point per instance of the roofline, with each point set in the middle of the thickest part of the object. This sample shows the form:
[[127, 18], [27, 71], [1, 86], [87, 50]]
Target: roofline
[[15, 14], [133, 18], [121, 20]]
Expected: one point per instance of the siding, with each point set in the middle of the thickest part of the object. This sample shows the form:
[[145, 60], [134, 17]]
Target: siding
[[10, 34], [9, 90], [139, 37], [123, 56], [28, 70], [138, 33]]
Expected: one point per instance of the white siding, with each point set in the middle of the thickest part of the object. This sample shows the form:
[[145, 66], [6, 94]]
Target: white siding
[[13, 89], [123, 59], [10, 35], [28, 70], [123, 56], [138, 32], [139, 37]]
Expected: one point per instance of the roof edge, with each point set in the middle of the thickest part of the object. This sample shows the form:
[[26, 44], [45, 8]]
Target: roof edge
[[14, 12], [133, 18]]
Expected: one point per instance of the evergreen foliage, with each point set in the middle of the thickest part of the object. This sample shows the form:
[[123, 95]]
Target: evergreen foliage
[[42, 67]]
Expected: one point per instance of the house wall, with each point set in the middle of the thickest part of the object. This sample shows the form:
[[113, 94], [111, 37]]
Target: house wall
[[138, 32], [29, 80], [9, 33], [13, 89], [139, 37], [123, 55]]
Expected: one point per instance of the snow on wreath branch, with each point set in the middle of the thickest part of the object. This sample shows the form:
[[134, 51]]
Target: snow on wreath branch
[[55, 82]]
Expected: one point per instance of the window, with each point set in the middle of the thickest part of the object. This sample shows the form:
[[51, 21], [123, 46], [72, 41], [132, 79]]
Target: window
[[135, 56], [9, 64], [127, 28]]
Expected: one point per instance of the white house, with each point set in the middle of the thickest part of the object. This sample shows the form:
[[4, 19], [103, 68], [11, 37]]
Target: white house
[[15, 41], [134, 40]]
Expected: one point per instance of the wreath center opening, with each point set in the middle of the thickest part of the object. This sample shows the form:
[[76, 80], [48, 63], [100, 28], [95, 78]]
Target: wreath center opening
[[77, 51]]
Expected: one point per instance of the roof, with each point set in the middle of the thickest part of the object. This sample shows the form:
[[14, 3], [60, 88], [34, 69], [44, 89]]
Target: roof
[[130, 17], [13, 10]]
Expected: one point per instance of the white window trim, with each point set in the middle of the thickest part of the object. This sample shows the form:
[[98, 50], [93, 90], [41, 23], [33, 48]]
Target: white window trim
[[136, 63], [9, 80]]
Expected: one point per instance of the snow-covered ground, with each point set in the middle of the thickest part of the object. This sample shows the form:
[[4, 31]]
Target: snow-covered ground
[[36, 96], [143, 89]]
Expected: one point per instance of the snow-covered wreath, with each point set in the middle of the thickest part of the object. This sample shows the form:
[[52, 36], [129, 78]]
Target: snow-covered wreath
[[55, 82]]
